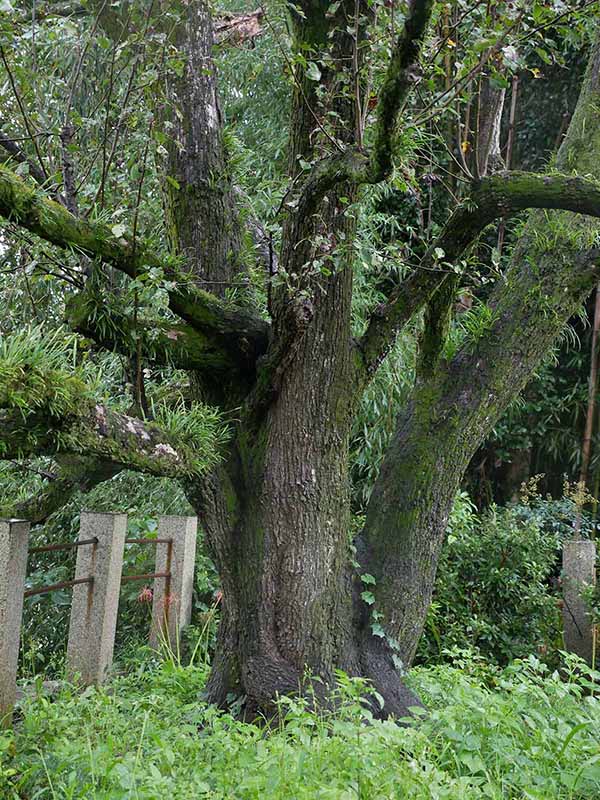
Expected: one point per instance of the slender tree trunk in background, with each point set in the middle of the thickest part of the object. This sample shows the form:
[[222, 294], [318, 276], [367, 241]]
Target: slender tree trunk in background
[[490, 105], [201, 214], [509, 149], [586, 447]]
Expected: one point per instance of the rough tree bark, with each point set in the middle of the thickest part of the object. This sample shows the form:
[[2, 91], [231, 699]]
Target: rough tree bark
[[283, 553], [276, 511]]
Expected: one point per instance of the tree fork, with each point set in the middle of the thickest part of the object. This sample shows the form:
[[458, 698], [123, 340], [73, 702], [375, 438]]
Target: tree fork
[[554, 268]]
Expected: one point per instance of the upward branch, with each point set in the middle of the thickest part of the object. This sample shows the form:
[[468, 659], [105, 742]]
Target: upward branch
[[400, 77], [241, 335], [354, 165], [500, 195]]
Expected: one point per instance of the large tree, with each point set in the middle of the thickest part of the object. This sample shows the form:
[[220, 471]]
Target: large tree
[[299, 595]]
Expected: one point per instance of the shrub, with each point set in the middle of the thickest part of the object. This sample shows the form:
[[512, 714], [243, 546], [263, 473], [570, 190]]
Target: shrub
[[495, 591]]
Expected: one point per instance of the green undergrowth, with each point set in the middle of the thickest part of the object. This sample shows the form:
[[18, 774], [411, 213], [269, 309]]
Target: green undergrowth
[[522, 732]]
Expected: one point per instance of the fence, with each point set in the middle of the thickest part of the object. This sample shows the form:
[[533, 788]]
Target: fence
[[96, 587], [98, 578]]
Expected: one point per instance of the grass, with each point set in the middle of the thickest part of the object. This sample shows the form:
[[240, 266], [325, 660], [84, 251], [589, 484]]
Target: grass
[[517, 733]]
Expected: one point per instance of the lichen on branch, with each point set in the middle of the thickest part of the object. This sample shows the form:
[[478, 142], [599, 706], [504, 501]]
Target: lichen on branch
[[47, 408]]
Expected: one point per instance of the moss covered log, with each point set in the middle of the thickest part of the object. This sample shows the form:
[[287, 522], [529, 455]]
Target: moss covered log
[[30, 208], [94, 429]]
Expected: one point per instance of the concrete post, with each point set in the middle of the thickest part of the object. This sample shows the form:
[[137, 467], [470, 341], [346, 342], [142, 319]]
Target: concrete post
[[172, 599], [14, 541], [578, 571], [95, 605]]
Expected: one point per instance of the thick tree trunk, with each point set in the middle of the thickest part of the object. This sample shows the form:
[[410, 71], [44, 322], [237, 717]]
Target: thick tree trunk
[[277, 512], [278, 525], [282, 558], [279, 522], [284, 551], [406, 518]]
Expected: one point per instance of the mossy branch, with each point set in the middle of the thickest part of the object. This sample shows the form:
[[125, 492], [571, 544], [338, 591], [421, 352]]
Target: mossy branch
[[235, 330], [437, 322], [400, 77], [95, 429], [75, 475], [501, 195], [171, 344], [355, 165], [47, 409]]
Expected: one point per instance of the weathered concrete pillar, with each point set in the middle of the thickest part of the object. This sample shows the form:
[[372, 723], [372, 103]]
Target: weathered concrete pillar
[[578, 571], [172, 599], [14, 541], [95, 605]]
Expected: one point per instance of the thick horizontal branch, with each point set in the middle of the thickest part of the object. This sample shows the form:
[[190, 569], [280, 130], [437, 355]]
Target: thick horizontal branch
[[12, 148], [500, 195], [96, 430], [46, 409], [162, 343], [236, 330]]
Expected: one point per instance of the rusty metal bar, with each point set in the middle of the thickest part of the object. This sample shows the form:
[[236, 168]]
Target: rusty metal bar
[[148, 576], [148, 541], [47, 548], [55, 586]]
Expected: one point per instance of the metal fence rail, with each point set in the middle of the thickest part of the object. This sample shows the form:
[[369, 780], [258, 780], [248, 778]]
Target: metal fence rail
[[96, 588], [53, 587], [145, 577], [49, 548], [148, 541]]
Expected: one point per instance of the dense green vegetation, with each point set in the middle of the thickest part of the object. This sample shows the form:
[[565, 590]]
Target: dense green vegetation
[[497, 593], [520, 732]]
